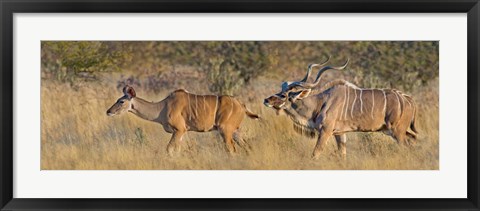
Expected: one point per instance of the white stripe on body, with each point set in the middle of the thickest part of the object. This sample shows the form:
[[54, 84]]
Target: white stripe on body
[[385, 104], [348, 99], [398, 100], [353, 104], [204, 113], [215, 111], [196, 106], [361, 101], [204, 108], [373, 101], [406, 99], [403, 99], [189, 108], [402, 107], [344, 102], [231, 107]]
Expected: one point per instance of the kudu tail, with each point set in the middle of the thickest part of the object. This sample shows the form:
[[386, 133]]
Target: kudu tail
[[249, 113]]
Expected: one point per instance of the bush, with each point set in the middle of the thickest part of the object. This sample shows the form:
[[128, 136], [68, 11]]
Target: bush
[[229, 65], [68, 61], [404, 65]]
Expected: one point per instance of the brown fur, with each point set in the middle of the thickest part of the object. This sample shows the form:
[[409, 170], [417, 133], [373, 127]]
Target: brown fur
[[340, 107], [182, 111]]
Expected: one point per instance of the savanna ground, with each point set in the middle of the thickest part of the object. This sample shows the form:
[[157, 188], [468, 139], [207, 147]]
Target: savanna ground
[[76, 133]]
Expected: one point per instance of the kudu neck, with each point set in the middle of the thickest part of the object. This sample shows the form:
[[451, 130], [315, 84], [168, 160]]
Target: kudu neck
[[301, 109], [146, 110]]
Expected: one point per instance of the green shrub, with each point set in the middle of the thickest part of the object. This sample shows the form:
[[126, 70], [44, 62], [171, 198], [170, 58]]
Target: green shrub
[[68, 61], [229, 65]]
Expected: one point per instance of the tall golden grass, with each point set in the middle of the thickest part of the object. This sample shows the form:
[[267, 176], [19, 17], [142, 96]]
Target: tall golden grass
[[76, 133]]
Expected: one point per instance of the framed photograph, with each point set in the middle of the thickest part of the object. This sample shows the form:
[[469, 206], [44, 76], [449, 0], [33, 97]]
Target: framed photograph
[[239, 105]]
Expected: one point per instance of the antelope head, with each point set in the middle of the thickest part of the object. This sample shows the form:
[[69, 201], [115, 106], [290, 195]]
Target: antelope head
[[278, 101], [293, 91], [302, 89], [123, 103]]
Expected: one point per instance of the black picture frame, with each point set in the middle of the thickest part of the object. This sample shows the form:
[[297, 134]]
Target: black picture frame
[[10, 7]]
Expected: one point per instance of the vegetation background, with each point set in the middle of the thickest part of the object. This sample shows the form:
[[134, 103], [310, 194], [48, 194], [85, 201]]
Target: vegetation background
[[81, 80]]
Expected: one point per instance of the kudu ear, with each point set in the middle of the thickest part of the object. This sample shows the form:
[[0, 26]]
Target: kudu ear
[[300, 95], [129, 91]]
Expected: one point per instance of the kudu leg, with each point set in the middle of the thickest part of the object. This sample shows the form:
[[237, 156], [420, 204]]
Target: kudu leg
[[174, 144], [241, 142], [227, 136], [323, 138], [400, 136], [411, 138], [342, 144]]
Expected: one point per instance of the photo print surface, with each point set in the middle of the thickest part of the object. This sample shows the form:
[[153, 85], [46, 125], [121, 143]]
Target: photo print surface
[[239, 105]]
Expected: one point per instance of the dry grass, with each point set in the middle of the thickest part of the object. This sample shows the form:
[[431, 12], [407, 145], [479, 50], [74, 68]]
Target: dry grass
[[77, 134]]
